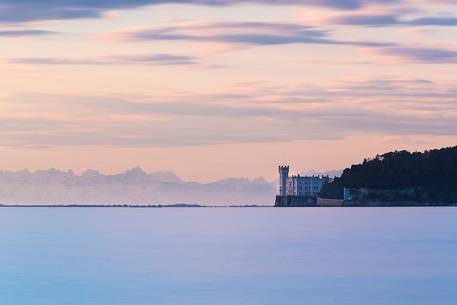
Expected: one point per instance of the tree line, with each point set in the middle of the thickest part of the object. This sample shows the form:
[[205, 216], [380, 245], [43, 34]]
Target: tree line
[[432, 174]]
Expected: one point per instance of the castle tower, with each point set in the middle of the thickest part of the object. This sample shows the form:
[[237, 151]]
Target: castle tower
[[283, 176]]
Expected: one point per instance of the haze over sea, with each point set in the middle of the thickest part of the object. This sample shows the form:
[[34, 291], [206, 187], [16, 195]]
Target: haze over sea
[[228, 256]]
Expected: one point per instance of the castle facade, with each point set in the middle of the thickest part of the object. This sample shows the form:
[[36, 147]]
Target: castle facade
[[298, 190]]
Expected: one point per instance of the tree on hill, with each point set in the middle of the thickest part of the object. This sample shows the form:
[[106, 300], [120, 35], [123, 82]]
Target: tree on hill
[[432, 173]]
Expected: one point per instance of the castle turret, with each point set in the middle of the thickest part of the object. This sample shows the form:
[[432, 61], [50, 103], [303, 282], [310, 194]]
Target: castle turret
[[283, 176]]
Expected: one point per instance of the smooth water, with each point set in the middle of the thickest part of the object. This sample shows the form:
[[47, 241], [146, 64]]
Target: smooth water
[[228, 256]]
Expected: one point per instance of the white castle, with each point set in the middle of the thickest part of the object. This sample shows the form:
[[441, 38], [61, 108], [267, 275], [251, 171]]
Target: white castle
[[308, 186]]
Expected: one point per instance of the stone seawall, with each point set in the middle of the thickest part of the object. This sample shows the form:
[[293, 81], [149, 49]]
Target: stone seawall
[[295, 201], [395, 204], [324, 202]]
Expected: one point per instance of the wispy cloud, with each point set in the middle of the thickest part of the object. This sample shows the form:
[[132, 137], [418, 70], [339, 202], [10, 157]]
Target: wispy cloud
[[374, 20], [385, 106], [247, 33], [12, 11], [24, 33], [150, 59], [421, 54]]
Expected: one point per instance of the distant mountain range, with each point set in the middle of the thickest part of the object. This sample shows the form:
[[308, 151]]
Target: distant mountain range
[[134, 186]]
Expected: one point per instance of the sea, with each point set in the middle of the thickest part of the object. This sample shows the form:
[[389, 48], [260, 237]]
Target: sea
[[228, 256]]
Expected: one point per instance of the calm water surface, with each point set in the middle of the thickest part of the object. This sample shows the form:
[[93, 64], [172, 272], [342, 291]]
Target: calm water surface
[[371, 256]]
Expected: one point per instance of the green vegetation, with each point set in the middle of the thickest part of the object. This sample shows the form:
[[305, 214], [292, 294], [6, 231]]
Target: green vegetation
[[430, 176]]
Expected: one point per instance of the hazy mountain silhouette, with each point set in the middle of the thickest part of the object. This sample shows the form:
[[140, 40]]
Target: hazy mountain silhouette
[[133, 186]]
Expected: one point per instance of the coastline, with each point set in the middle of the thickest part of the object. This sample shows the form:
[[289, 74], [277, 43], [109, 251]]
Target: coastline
[[189, 206], [133, 206]]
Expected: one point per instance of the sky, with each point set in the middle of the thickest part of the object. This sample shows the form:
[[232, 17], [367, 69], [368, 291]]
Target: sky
[[214, 89]]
